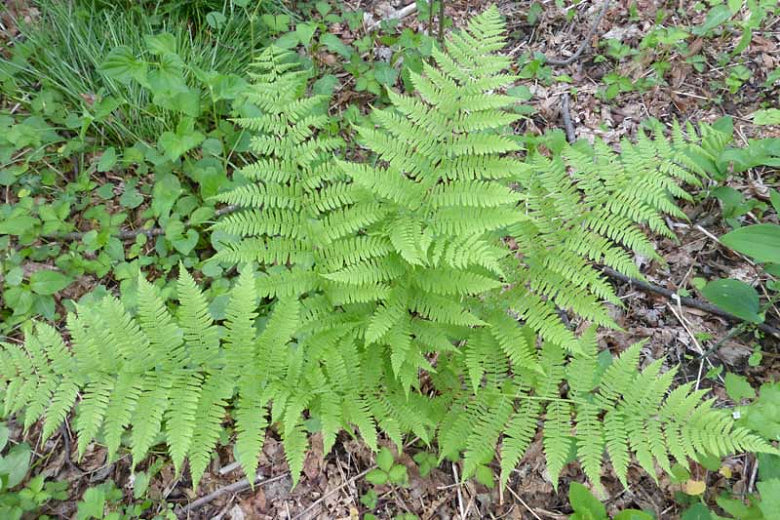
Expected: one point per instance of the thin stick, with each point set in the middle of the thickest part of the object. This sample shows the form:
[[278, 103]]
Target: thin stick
[[441, 22], [332, 492], [526, 506], [395, 15], [571, 59], [566, 117], [232, 488], [688, 302], [460, 494], [700, 350]]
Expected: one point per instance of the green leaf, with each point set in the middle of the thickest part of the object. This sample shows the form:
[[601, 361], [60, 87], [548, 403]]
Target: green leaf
[[107, 160], [774, 197], [122, 65], [305, 32], [697, 511], [377, 477], [633, 514], [587, 506], [334, 44], [186, 244], [185, 139], [770, 116], [768, 465], [48, 282], [759, 241], [92, 504], [521, 92], [384, 459], [385, 74], [288, 40], [3, 436], [738, 388], [325, 85], [215, 19], [715, 18], [484, 476], [397, 474], [131, 198], [161, 44], [276, 23], [18, 225], [164, 194], [735, 297], [16, 464]]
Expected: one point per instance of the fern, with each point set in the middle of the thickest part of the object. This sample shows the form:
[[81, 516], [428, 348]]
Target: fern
[[416, 293]]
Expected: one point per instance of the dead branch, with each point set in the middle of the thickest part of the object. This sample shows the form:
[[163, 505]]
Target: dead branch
[[585, 42], [684, 300]]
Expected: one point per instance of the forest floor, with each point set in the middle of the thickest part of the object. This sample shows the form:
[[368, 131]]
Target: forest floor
[[696, 88]]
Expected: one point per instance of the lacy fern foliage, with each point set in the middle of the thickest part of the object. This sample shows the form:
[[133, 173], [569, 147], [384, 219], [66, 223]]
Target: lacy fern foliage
[[418, 292]]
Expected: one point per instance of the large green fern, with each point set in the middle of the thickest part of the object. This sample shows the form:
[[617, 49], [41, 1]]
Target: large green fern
[[416, 293]]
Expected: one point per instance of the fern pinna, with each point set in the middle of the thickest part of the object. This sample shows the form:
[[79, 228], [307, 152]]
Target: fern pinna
[[416, 293]]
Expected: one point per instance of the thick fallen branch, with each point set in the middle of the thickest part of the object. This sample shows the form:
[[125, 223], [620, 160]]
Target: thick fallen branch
[[687, 302], [568, 125], [236, 487], [585, 42]]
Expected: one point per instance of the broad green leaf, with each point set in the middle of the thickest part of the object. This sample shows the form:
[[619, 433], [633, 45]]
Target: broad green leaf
[[215, 19], [325, 85], [276, 23], [107, 160], [715, 18], [585, 505], [384, 459], [484, 476], [185, 139], [735, 297], [770, 116], [187, 243], [633, 514], [18, 225], [164, 194], [697, 511], [770, 497], [774, 197], [121, 64], [15, 464], [3, 436], [288, 40], [131, 198], [334, 44], [769, 465], [48, 282], [759, 241], [385, 74], [738, 388], [397, 474], [305, 32], [377, 477], [160, 44]]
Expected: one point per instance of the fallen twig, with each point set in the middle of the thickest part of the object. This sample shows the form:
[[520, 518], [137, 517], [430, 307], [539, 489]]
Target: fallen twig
[[332, 492], [395, 15], [232, 488], [566, 117], [571, 59], [688, 302]]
